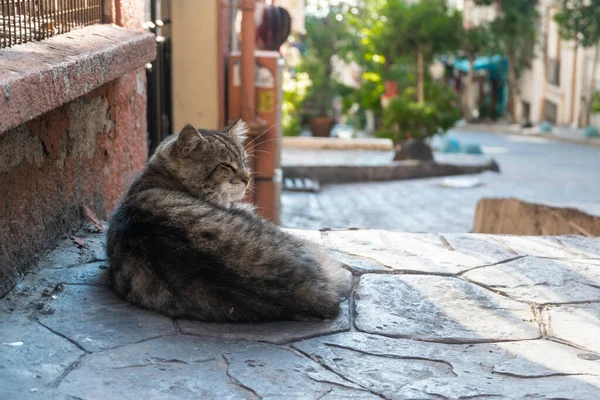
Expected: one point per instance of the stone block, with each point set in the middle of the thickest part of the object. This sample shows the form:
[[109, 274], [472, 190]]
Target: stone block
[[441, 309]]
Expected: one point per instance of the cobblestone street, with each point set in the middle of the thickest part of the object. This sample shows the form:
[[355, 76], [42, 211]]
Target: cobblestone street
[[431, 316], [532, 169]]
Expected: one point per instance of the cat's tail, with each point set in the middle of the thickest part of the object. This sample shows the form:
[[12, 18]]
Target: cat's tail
[[338, 278]]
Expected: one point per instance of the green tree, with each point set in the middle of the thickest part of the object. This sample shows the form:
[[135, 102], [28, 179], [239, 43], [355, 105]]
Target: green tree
[[515, 30], [421, 30], [579, 21], [327, 38], [475, 42]]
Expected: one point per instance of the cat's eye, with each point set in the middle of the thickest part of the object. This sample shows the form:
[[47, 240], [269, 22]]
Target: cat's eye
[[229, 167]]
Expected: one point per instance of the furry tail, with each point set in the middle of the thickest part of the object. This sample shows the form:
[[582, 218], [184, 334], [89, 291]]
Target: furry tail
[[338, 278]]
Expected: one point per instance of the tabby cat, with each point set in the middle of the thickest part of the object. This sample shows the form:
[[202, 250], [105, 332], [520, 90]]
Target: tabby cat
[[181, 243]]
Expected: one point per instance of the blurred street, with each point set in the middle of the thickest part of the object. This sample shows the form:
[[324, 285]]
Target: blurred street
[[532, 169]]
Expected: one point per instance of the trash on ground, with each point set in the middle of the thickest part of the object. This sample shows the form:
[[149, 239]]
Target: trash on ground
[[461, 183], [14, 344], [79, 242]]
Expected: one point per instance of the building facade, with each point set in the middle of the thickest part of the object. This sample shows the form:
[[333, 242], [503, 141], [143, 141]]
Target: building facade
[[556, 86]]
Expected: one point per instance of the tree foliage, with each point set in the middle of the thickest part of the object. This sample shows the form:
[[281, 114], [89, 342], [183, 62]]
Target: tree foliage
[[421, 30], [579, 20], [327, 37]]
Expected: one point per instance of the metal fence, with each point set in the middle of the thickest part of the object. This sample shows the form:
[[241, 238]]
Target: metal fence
[[31, 20]]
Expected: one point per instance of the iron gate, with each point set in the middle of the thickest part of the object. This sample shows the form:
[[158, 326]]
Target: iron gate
[[158, 74]]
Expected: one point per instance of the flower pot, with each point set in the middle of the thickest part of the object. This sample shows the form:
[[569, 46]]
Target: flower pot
[[413, 149], [322, 126]]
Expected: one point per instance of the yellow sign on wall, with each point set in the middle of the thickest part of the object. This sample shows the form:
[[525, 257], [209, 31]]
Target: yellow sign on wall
[[266, 101]]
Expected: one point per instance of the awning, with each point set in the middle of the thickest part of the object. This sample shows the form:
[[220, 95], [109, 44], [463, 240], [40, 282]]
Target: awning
[[496, 65]]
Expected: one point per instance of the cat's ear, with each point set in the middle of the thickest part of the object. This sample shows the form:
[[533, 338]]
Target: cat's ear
[[188, 139], [238, 130]]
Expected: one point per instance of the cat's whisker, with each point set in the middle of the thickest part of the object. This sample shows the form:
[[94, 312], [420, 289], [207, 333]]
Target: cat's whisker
[[256, 138], [262, 151], [258, 144]]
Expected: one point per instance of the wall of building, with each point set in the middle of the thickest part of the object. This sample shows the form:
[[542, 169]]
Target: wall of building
[[85, 147], [84, 153], [197, 69], [575, 71]]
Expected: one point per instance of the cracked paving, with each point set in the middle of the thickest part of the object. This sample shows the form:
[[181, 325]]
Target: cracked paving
[[431, 316]]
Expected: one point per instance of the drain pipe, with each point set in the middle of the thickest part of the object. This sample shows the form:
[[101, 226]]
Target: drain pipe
[[248, 33]]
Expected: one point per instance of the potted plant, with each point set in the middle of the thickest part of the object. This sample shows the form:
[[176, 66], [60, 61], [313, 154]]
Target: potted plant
[[409, 122]]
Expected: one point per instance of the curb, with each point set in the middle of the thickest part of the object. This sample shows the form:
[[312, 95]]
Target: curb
[[396, 170], [317, 143], [518, 132]]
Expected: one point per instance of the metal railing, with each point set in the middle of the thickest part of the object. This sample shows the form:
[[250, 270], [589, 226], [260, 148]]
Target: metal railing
[[32, 20]]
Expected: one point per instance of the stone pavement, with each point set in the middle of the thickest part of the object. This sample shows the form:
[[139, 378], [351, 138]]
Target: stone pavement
[[431, 316], [533, 169]]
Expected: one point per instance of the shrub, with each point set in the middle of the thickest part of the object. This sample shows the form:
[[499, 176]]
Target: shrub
[[405, 118]]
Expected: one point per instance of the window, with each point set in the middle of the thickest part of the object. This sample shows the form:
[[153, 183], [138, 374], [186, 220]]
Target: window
[[31, 20], [553, 72], [550, 111]]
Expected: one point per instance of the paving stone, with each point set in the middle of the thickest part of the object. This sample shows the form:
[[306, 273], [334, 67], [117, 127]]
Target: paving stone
[[542, 280], [66, 254], [577, 324], [407, 369], [272, 332], [425, 252], [95, 273], [96, 247], [41, 359], [96, 319], [280, 373], [358, 264], [231, 361], [540, 246], [439, 309], [175, 367], [585, 246], [187, 367]]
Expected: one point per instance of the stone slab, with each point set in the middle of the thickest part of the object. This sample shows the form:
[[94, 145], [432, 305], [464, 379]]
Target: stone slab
[[62, 68], [95, 273], [406, 333], [187, 367], [543, 280], [96, 319], [420, 252], [407, 369], [358, 264], [273, 332], [69, 254], [37, 362], [576, 324], [440, 309], [588, 247], [540, 246]]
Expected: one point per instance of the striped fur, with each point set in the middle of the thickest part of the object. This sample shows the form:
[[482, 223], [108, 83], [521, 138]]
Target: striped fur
[[181, 243]]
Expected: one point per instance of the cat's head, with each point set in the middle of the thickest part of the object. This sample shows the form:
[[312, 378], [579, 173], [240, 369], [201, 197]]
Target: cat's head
[[212, 164]]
